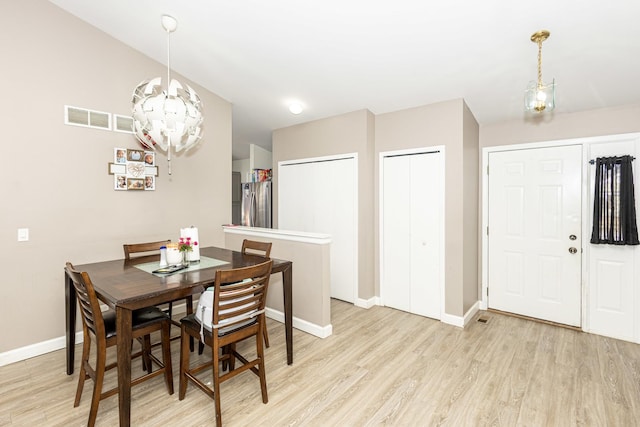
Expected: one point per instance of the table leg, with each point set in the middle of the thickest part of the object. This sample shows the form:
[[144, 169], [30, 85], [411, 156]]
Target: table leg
[[189, 302], [287, 290], [70, 319], [123, 338]]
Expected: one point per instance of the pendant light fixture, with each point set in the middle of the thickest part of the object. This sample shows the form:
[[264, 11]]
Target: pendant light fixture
[[170, 117], [540, 96]]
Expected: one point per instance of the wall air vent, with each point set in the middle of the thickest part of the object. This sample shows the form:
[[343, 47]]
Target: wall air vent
[[122, 123], [76, 116]]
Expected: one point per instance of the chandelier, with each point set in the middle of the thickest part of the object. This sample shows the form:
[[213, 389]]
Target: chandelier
[[540, 96], [170, 117]]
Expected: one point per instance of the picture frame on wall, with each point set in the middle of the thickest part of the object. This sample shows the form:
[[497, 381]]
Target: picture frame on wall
[[135, 155], [149, 182], [120, 155], [135, 184], [149, 158], [120, 182], [133, 169]]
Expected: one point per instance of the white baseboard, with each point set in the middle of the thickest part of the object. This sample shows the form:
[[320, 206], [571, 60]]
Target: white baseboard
[[471, 312], [449, 319], [458, 321], [367, 303], [37, 349], [303, 325]]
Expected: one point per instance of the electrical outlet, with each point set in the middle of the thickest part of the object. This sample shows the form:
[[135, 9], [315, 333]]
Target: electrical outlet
[[23, 234]]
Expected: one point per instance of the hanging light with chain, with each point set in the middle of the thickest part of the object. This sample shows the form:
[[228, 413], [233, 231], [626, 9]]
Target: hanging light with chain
[[540, 96]]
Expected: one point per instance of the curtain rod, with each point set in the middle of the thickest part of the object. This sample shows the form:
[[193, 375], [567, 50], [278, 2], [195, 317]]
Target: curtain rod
[[593, 162]]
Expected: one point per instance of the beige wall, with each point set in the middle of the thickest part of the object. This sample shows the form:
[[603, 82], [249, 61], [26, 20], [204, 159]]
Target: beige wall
[[604, 121], [55, 179], [470, 200], [450, 124], [310, 278], [453, 125], [347, 133]]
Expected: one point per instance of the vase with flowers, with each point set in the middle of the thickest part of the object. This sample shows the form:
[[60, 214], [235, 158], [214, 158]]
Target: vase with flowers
[[185, 245]]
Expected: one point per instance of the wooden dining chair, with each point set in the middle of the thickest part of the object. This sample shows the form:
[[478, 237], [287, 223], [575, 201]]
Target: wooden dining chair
[[139, 249], [100, 327], [144, 249], [237, 314], [253, 247]]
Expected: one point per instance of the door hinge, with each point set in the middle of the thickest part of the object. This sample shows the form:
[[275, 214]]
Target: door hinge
[[487, 230], [487, 169], [487, 292]]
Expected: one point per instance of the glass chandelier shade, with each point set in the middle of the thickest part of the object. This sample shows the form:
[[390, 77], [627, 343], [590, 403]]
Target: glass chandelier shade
[[540, 96], [166, 117]]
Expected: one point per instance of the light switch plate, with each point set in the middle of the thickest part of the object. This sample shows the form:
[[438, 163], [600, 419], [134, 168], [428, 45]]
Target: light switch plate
[[23, 234]]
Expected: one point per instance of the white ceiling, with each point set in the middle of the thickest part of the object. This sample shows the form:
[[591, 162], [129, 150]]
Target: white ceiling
[[337, 56]]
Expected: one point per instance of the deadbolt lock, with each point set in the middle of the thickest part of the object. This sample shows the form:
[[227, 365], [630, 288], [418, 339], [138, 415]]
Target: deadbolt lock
[[572, 237], [572, 250]]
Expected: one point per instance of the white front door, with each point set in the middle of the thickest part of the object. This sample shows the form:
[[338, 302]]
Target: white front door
[[535, 233]]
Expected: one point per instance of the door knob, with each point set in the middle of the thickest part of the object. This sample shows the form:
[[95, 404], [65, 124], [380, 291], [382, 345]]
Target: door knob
[[572, 250]]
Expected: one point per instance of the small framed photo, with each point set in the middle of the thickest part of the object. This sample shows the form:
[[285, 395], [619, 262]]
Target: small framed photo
[[149, 182], [120, 182], [135, 184], [149, 158], [135, 155], [120, 155]]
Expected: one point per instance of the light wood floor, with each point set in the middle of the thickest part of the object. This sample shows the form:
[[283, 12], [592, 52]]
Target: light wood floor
[[380, 367]]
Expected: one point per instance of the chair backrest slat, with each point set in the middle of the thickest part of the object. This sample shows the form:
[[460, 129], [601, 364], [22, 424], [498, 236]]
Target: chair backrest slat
[[138, 248], [253, 247], [240, 294]]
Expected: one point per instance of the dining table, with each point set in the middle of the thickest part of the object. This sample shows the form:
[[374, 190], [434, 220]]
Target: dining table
[[127, 285]]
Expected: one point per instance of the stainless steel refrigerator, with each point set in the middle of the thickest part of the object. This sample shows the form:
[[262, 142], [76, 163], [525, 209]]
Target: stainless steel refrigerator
[[256, 204]]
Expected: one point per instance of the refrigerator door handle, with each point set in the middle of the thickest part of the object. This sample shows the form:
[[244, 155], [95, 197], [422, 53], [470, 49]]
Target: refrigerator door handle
[[252, 212]]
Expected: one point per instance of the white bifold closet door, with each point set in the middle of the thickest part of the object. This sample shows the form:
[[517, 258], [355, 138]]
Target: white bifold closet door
[[320, 196], [412, 201]]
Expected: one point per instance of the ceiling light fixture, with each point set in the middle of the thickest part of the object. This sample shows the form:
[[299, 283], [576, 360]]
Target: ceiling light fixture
[[540, 96], [166, 117], [295, 108]]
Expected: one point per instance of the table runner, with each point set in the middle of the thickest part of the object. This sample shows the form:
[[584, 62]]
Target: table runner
[[205, 262]]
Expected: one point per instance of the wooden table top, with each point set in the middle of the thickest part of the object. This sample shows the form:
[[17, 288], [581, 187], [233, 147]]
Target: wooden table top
[[121, 283]]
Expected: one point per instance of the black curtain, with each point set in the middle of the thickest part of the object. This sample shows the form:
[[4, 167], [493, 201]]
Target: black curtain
[[614, 208]]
